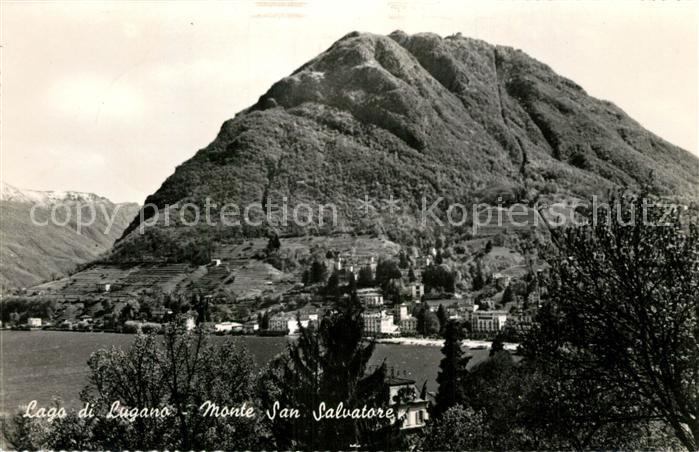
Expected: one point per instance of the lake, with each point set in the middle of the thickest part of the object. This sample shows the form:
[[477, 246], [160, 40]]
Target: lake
[[41, 365]]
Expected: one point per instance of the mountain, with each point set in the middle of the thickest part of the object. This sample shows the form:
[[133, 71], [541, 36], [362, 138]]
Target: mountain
[[375, 126], [407, 117], [13, 194], [34, 249]]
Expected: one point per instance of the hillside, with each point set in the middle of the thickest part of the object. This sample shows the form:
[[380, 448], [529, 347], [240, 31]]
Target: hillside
[[412, 117], [31, 253]]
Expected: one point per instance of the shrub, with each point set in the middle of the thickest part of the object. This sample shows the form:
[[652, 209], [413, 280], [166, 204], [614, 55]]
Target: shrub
[[579, 160]]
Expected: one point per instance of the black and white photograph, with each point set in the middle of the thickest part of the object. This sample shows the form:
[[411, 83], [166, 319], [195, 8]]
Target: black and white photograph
[[390, 225]]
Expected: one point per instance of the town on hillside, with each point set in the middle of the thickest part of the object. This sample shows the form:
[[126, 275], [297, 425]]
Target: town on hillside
[[275, 286]]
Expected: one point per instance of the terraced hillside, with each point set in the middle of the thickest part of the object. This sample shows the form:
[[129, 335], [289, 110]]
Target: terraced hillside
[[238, 271]]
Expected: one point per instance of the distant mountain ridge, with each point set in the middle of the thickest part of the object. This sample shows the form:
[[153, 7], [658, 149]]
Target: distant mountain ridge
[[36, 251], [14, 194]]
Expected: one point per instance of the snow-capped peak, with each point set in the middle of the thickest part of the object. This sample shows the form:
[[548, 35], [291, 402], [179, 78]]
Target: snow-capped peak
[[14, 194]]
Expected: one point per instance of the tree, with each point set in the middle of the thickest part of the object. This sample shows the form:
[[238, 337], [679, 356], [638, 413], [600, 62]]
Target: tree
[[365, 277], [442, 317], [318, 272], [477, 276], [263, 321], [497, 345], [386, 272], [411, 275], [333, 285], [351, 283], [459, 428], [419, 311], [579, 159], [431, 323], [403, 261], [107, 306], [507, 295], [623, 310], [528, 407], [145, 310], [438, 277], [126, 313], [25, 433], [329, 365], [490, 387], [273, 244], [177, 372], [451, 370], [391, 293], [200, 303]]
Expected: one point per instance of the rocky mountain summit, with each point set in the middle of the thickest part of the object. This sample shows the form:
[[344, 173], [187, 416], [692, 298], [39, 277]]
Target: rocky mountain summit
[[414, 118]]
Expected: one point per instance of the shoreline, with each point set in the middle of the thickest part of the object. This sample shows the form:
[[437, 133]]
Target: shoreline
[[471, 344]]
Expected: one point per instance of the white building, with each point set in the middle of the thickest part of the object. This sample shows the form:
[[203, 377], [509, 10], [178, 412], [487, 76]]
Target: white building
[[417, 290], [190, 322], [251, 326], [408, 325], [401, 312], [521, 320], [370, 297], [378, 322], [405, 399], [468, 311], [289, 323], [283, 322], [228, 326], [488, 321], [34, 322], [402, 317]]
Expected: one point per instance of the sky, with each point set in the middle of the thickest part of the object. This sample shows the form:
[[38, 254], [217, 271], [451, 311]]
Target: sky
[[109, 97]]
